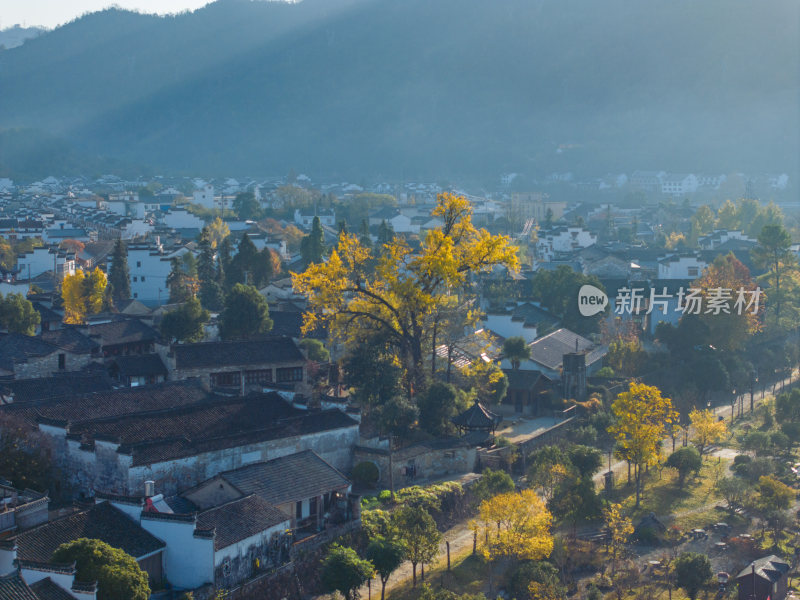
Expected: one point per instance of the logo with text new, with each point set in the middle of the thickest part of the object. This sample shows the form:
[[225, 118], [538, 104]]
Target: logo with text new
[[591, 300]]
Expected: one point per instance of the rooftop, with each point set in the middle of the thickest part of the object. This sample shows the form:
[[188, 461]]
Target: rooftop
[[240, 519], [223, 354]]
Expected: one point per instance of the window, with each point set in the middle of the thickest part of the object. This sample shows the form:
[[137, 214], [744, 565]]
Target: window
[[221, 379], [62, 361], [138, 263], [298, 509], [135, 294], [289, 374], [260, 376], [142, 278], [135, 279], [692, 271], [312, 506]]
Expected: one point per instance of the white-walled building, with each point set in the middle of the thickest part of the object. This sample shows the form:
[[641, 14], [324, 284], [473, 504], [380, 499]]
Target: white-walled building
[[677, 184], [677, 266], [149, 267], [564, 240], [43, 259], [204, 196]]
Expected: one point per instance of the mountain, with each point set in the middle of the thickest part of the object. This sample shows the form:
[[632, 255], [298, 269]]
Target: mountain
[[421, 88], [12, 37]]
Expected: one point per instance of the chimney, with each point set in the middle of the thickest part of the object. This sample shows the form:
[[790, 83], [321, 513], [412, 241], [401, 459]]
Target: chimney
[[149, 488]]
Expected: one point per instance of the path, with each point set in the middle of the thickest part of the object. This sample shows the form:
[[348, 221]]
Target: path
[[460, 538]]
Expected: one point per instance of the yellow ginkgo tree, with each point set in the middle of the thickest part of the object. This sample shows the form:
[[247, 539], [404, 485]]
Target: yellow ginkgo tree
[[399, 291], [643, 417], [517, 526], [83, 294], [706, 429]]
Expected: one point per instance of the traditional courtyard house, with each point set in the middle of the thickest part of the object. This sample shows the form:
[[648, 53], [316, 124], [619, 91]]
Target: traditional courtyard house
[[102, 522], [23, 357], [527, 391], [124, 337], [240, 365], [310, 492], [178, 434], [547, 353], [132, 371]]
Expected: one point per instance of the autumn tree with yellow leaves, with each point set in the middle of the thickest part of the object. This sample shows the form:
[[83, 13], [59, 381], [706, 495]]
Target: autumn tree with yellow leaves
[[643, 417], [399, 291], [620, 528], [518, 526], [83, 294], [706, 429]]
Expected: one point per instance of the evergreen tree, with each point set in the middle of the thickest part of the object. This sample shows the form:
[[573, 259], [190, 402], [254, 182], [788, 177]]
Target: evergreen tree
[[312, 247], [224, 251], [246, 314], [17, 314], [120, 276], [185, 323]]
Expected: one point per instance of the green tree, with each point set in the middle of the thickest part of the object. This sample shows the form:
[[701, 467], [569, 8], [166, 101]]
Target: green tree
[[734, 491], [343, 571], [17, 314], [386, 555], [516, 350], [119, 277], [372, 371], [246, 314], [586, 460], [437, 405], [185, 323], [246, 206], [315, 350], [417, 531], [773, 253], [24, 454], [491, 484], [182, 278], [692, 572], [558, 291], [312, 247], [685, 460], [117, 573]]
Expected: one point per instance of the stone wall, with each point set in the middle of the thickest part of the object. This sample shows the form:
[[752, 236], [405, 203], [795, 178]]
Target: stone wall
[[104, 469], [418, 462], [45, 366]]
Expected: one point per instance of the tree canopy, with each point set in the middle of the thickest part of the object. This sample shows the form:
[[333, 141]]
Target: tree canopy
[[417, 531], [119, 277], [117, 573], [692, 571], [397, 290], [386, 555], [185, 323], [83, 294], [518, 524], [17, 314], [643, 416], [246, 314]]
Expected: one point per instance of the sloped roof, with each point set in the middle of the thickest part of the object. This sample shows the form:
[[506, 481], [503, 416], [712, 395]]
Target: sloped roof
[[288, 479], [13, 587], [523, 379], [239, 519], [770, 568], [102, 521], [223, 354], [58, 386], [46, 589], [146, 364], [123, 331], [549, 350], [17, 348], [477, 416], [70, 339]]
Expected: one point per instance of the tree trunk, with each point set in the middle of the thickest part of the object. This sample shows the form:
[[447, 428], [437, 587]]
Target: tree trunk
[[383, 588], [413, 574], [637, 473]]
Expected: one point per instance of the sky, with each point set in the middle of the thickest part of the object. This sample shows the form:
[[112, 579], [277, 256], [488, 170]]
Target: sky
[[51, 13]]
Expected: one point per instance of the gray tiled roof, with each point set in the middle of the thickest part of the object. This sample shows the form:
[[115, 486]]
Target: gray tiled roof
[[58, 386], [240, 519], [769, 567], [222, 354], [45, 589], [288, 479], [12, 587], [103, 522], [549, 350]]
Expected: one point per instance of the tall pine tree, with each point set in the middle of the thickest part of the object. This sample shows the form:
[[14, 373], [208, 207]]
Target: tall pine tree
[[120, 276], [312, 247]]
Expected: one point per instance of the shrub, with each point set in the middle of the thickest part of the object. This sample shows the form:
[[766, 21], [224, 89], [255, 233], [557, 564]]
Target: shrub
[[366, 474], [385, 497]]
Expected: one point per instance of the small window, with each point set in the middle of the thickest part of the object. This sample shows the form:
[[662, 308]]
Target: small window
[[298, 509], [135, 295], [142, 278], [692, 271], [62, 361], [135, 279], [138, 263]]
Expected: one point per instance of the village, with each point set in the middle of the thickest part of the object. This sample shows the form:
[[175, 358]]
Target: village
[[286, 388]]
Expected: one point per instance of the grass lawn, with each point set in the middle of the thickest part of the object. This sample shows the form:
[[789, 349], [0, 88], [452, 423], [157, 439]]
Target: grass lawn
[[469, 574], [662, 495]]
